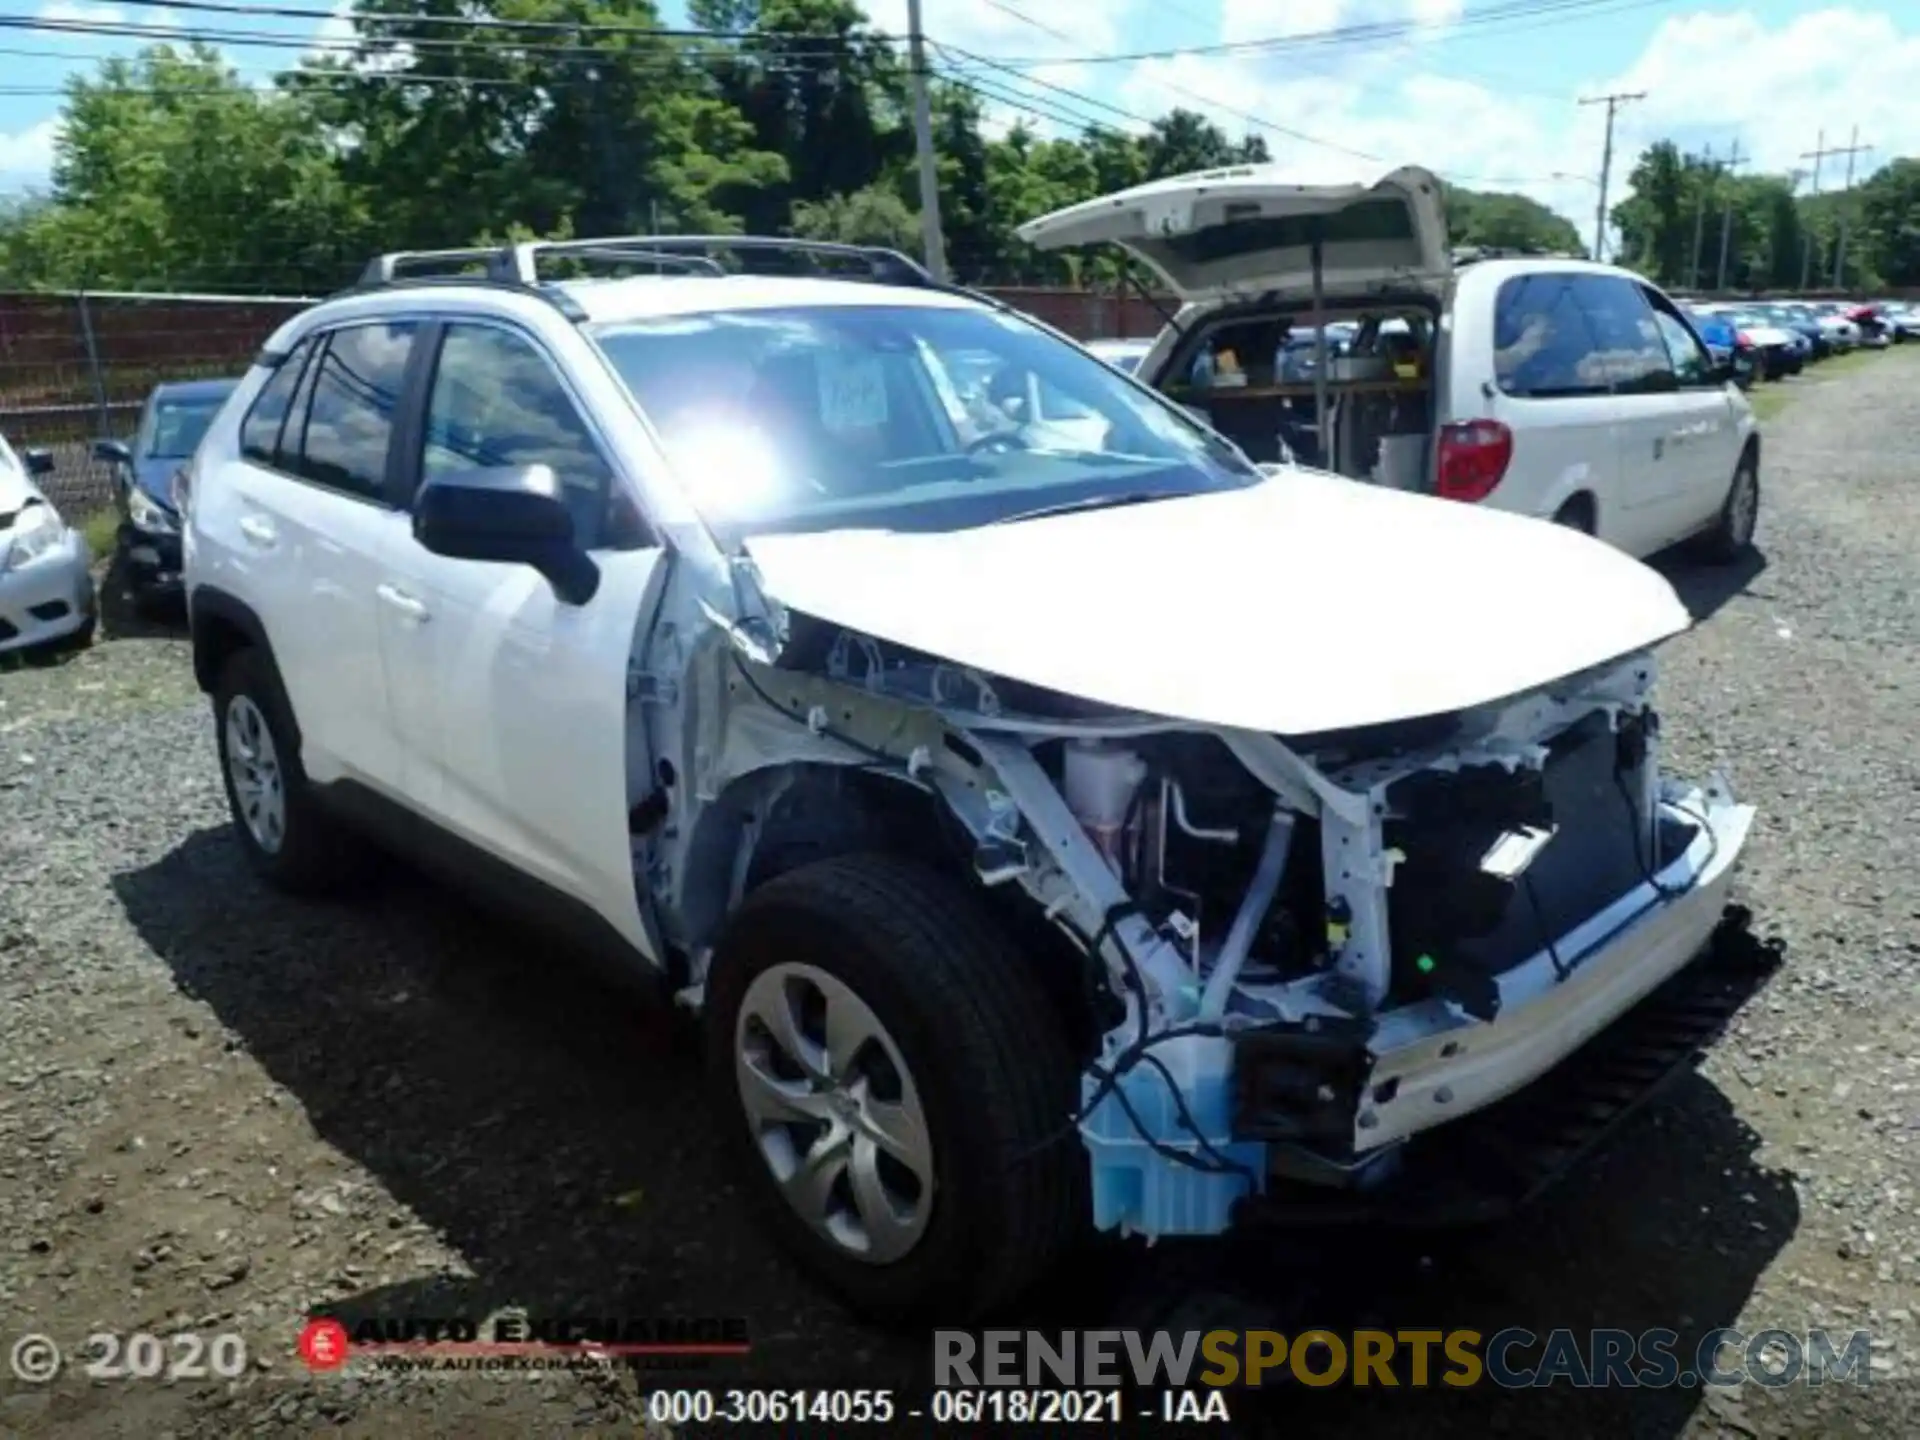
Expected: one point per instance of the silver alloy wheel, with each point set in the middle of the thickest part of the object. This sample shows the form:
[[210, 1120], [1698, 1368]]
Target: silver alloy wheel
[[1743, 510], [259, 789], [834, 1112]]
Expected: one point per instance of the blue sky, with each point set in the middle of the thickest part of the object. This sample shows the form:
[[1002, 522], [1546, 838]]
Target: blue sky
[[1488, 101]]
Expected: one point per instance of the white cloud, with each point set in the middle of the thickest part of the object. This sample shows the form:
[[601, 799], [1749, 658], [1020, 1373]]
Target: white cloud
[[26, 156], [1244, 20], [336, 38], [334, 34], [1412, 103], [70, 12]]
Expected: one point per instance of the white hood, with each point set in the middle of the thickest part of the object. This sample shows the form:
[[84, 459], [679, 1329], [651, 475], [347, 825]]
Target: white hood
[[1244, 230], [1768, 334], [1302, 604]]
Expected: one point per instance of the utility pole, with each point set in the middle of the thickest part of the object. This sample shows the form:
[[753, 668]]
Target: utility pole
[[1726, 223], [1613, 103], [1699, 221], [1854, 147], [930, 234], [1817, 154]]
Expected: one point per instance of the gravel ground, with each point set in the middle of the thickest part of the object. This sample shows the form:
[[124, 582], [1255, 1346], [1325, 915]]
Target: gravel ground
[[220, 1110]]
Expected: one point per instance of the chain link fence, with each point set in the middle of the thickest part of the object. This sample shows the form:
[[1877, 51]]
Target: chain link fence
[[77, 366]]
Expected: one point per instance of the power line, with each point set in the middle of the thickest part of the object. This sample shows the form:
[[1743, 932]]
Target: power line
[[1256, 120], [497, 41], [1350, 34], [983, 60], [1613, 103], [478, 22]]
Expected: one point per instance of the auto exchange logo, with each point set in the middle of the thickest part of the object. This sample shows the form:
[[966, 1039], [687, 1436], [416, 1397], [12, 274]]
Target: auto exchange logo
[[516, 1339]]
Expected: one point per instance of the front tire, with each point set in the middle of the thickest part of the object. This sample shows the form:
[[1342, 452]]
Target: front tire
[[897, 1089], [287, 838], [1732, 535]]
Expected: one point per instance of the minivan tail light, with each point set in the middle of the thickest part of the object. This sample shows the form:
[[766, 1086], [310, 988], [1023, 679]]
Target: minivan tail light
[[1474, 455]]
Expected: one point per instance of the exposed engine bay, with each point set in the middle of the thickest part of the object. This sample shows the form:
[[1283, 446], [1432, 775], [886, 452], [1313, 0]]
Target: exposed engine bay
[[1299, 951]]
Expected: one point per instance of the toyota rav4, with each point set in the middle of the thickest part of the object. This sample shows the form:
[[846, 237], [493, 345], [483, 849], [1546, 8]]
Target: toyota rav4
[[1059, 820]]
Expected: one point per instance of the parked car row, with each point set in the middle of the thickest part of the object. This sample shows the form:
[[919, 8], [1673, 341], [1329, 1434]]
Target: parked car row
[[47, 594], [1774, 338]]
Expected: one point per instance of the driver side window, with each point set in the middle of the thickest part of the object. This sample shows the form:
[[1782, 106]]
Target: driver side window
[[495, 401]]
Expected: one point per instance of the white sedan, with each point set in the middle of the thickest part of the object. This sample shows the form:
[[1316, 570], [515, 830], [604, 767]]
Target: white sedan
[[46, 580]]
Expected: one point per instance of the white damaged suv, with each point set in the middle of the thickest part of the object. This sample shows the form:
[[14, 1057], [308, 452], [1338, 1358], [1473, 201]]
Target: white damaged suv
[[1059, 821]]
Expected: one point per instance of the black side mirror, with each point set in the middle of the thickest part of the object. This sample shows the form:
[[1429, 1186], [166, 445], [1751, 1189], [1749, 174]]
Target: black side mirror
[[38, 462], [510, 514], [113, 452], [1725, 371]]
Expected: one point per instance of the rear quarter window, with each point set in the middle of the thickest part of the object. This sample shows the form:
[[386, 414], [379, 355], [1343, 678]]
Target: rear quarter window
[[1543, 346]]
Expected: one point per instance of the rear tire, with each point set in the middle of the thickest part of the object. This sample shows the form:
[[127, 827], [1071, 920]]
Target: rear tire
[[1731, 537], [946, 1033], [1577, 514], [287, 837]]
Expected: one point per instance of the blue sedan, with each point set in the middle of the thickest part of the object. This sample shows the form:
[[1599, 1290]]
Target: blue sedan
[[1722, 340], [176, 415]]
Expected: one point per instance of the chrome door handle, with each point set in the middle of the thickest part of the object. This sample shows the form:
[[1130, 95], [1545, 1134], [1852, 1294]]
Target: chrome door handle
[[404, 603], [258, 531]]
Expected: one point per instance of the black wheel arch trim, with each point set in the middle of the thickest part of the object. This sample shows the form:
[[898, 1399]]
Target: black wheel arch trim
[[209, 606]]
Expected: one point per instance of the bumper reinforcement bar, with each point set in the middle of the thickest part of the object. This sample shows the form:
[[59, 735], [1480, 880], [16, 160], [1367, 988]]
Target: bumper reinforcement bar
[[1487, 1165]]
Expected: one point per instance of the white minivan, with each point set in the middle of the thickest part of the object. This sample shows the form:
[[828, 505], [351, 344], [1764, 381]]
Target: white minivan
[[1554, 387]]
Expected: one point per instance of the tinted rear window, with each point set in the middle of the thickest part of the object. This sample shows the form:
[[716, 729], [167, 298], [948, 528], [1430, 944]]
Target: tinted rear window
[[1368, 220], [1542, 343]]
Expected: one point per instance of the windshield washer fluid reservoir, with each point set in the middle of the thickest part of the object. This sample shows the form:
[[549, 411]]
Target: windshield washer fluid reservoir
[[1098, 785]]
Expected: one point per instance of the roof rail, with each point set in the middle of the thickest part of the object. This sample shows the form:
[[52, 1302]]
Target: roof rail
[[517, 267], [385, 269], [887, 267], [519, 264]]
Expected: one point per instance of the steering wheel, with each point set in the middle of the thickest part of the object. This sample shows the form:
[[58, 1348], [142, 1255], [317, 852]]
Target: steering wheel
[[997, 440]]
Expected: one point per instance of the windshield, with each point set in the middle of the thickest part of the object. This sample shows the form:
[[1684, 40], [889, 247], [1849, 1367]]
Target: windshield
[[179, 424], [901, 418]]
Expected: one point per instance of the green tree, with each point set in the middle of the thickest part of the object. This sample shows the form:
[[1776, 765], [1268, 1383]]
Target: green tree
[[1890, 222], [814, 84], [1182, 141], [1655, 220], [171, 173], [608, 127], [975, 241], [875, 215], [1507, 221]]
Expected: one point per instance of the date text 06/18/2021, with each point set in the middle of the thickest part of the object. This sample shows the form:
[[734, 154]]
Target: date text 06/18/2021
[[1017, 1405]]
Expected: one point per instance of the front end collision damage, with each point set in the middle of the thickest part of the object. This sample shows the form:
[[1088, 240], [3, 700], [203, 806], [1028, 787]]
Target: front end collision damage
[[1273, 1033]]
